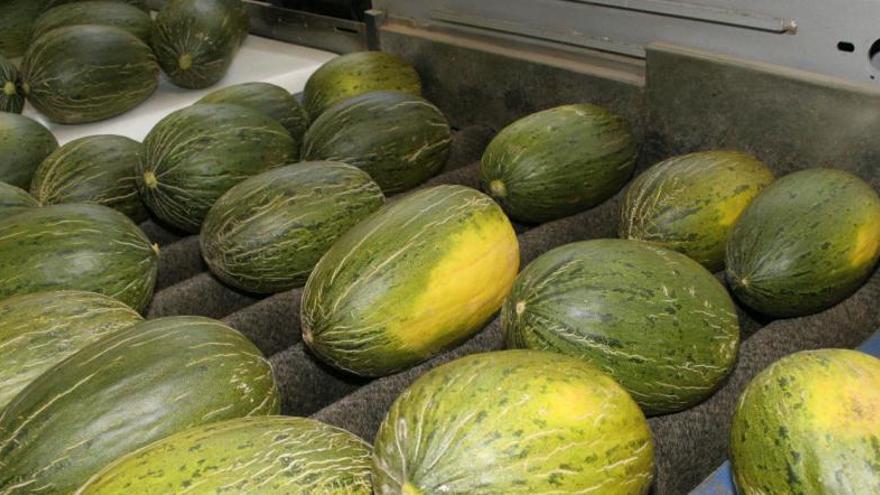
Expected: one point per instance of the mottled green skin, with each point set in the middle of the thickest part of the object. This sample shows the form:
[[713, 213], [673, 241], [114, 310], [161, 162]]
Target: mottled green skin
[[196, 40], [86, 73], [513, 422], [355, 74], [266, 234], [104, 13], [141, 4], [558, 162], [654, 319], [24, 143], [11, 93], [808, 424], [690, 203], [272, 455], [399, 139], [14, 199], [198, 153], [270, 99], [94, 169], [806, 243], [37, 331], [79, 247], [125, 391], [16, 19]]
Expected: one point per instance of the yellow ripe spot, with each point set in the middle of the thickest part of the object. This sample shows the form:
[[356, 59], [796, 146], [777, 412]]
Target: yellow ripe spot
[[732, 208], [568, 404], [9, 88], [867, 243], [409, 489], [185, 61], [846, 407], [150, 179]]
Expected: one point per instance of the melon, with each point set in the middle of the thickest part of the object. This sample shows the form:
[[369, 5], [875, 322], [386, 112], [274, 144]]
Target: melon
[[105, 13], [14, 199], [24, 144], [11, 93]]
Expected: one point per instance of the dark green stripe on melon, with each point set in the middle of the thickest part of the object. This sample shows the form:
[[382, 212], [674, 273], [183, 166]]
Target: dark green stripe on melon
[[94, 169], [104, 13], [11, 92], [37, 331], [198, 153], [399, 139], [14, 199], [267, 233], [654, 319], [806, 243], [355, 74], [125, 391], [85, 73], [24, 144], [270, 99], [196, 40], [76, 246], [558, 162], [267, 455], [16, 19], [690, 203]]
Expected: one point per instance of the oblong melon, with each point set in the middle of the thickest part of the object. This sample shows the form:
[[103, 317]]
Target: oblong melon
[[399, 139], [105, 13], [125, 391], [266, 234], [93, 169], [690, 203], [655, 320], [418, 276], [38, 331], [514, 422], [24, 144], [258, 455], [808, 424], [806, 243], [14, 199], [16, 19], [11, 92]]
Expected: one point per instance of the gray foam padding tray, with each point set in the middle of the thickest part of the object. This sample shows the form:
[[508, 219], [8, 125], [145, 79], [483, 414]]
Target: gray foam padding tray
[[689, 444]]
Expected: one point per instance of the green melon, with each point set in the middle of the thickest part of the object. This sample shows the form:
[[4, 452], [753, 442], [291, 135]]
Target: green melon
[[16, 19], [558, 162], [37, 331], [266, 234], [690, 203], [85, 73], [196, 40], [654, 319], [198, 153], [24, 143], [125, 391], [105, 13], [355, 74], [141, 4], [514, 422], [94, 169], [399, 139], [808, 424], [76, 246], [419, 276], [270, 99], [806, 243], [14, 199], [260, 455], [11, 93]]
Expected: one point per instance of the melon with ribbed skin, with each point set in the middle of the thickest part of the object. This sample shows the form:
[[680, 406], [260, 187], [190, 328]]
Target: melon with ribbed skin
[[37, 331], [514, 422], [126, 391], [270, 99], [14, 199], [266, 234], [417, 277], [272, 455], [86, 73], [806, 243], [24, 143], [399, 139], [196, 154], [558, 162], [11, 93], [654, 319], [808, 424], [196, 40], [690, 203], [355, 74], [78, 247], [94, 169], [105, 13]]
